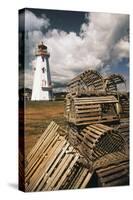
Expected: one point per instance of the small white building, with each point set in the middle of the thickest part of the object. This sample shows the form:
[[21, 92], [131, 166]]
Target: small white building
[[42, 88]]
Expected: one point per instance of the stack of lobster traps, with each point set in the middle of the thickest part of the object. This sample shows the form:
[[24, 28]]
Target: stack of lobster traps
[[97, 115], [93, 150]]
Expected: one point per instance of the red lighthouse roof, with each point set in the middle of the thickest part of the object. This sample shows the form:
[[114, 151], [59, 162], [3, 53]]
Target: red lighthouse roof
[[42, 50], [42, 46]]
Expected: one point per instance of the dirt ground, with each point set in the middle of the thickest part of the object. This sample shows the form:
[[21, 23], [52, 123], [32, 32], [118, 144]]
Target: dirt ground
[[38, 116]]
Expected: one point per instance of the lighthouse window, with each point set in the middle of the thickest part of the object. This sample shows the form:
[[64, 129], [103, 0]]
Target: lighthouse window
[[43, 70], [43, 83]]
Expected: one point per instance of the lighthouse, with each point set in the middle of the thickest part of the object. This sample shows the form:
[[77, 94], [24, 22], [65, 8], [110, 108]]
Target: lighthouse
[[42, 89]]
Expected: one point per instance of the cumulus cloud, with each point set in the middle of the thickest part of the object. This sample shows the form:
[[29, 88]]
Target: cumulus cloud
[[121, 49], [28, 21], [102, 40], [99, 43], [32, 22], [102, 32]]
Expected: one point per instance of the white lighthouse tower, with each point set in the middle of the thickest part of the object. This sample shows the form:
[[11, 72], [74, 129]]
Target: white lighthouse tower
[[42, 89]]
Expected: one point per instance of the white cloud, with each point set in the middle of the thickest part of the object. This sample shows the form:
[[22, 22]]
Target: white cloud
[[32, 22], [101, 41], [121, 49]]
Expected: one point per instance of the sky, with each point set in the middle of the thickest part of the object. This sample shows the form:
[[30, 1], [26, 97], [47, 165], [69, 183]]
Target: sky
[[76, 41]]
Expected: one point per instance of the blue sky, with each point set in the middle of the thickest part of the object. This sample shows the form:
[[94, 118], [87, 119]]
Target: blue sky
[[76, 41], [62, 20]]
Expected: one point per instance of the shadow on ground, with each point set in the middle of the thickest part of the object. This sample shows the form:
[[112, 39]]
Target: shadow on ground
[[13, 185]]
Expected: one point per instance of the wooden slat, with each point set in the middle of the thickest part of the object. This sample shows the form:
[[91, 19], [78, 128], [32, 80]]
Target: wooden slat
[[88, 114], [39, 173], [40, 141], [86, 181], [88, 111], [57, 174], [118, 182], [31, 168], [82, 177], [44, 135], [67, 172], [113, 169], [95, 121]]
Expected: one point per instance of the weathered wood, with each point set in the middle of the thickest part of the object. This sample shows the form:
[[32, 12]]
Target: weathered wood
[[39, 173], [64, 176], [40, 141], [86, 181], [56, 164], [55, 161], [97, 140], [84, 82], [90, 110], [110, 159], [117, 174]]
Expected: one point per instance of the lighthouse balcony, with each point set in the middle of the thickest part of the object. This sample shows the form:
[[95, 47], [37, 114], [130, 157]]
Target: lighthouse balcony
[[42, 53], [47, 88]]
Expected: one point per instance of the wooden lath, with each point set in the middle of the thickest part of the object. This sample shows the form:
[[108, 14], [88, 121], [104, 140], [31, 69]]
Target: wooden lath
[[51, 162]]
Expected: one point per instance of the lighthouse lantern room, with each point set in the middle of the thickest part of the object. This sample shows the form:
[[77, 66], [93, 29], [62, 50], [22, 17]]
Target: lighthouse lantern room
[[42, 89]]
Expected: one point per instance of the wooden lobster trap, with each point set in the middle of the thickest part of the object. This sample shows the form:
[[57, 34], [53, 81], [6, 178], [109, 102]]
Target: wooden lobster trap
[[91, 110], [54, 164], [96, 141], [111, 170], [87, 83]]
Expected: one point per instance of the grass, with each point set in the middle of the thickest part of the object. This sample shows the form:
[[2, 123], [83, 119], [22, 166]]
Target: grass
[[38, 116]]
